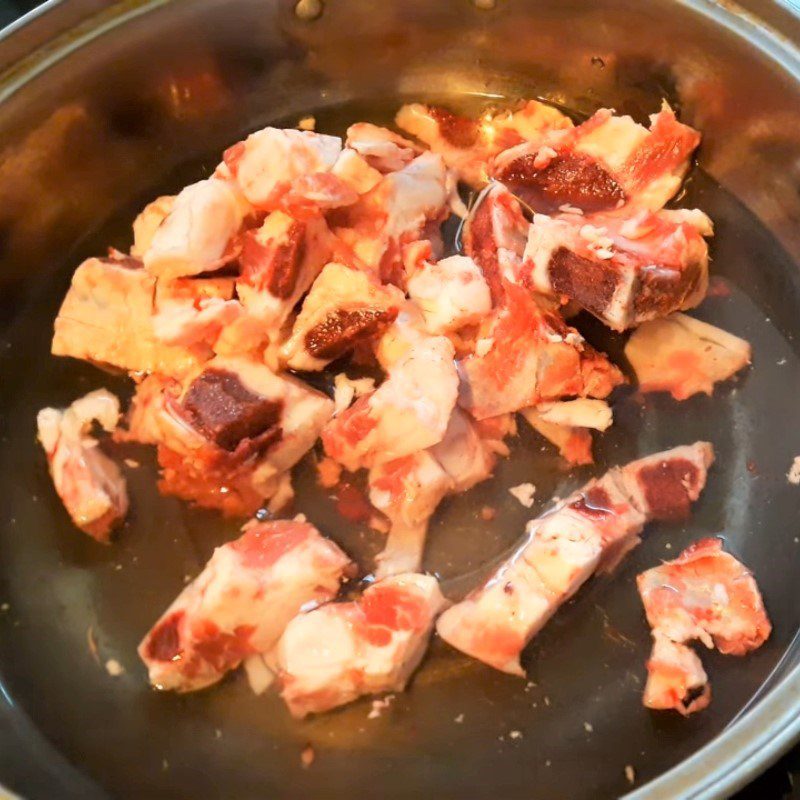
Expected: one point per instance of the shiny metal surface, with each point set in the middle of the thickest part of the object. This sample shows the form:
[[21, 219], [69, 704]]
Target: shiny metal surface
[[104, 105]]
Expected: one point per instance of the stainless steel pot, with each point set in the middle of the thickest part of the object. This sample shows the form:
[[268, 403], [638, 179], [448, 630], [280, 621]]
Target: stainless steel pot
[[102, 105]]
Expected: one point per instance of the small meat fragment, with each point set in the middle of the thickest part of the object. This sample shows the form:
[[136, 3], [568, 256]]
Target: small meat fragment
[[683, 356], [269, 162], [227, 438], [604, 164], [346, 389], [196, 236], [451, 293], [704, 594], [524, 493], [329, 472], [241, 602], [88, 482], [336, 653], [107, 318], [407, 490], [467, 145], [624, 271], [574, 444], [343, 308], [566, 425], [381, 148], [590, 530], [409, 412], [534, 357], [581, 413], [395, 214], [675, 678], [279, 262], [495, 233]]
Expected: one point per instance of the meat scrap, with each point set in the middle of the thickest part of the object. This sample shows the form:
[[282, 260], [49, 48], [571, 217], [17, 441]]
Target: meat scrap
[[684, 356], [227, 437], [624, 271], [567, 425], [241, 602], [336, 653], [381, 148], [590, 530], [467, 145], [675, 678], [704, 594], [532, 356], [107, 318], [88, 482], [344, 308], [604, 164]]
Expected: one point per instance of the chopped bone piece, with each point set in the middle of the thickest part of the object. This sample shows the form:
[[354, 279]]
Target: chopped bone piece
[[409, 412], [468, 145], [343, 308], [407, 490], [107, 318], [241, 602], [336, 653], [535, 358], [590, 530], [88, 482], [625, 271], [704, 594]]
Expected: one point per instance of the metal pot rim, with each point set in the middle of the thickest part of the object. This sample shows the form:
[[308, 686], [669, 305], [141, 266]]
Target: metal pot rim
[[770, 724]]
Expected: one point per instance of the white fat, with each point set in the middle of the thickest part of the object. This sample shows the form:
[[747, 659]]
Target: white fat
[[348, 389], [484, 346], [580, 413], [259, 676], [451, 293], [356, 172], [613, 141], [273, 157], [698, 219], [545, 236], [114, 668], [524, 493], [195, 234]]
